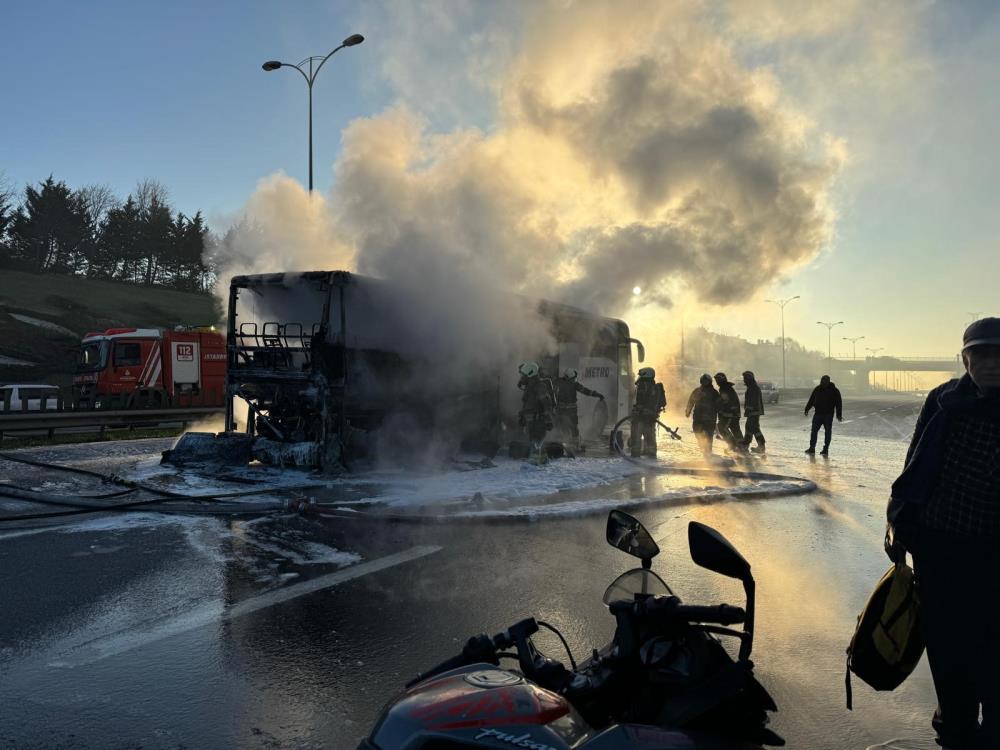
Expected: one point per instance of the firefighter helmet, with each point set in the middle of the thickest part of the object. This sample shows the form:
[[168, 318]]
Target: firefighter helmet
[[647, 372], [528, 369], [570, 374]]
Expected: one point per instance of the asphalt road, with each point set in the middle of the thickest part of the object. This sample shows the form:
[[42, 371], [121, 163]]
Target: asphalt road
[[160, 631]]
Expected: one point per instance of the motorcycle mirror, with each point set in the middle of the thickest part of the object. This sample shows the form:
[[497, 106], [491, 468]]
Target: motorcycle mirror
[[711, 550], [627, 534]]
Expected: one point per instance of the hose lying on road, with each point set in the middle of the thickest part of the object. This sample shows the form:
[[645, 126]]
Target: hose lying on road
[[618, 445], [132, 484], [32, 492], [81, 504]]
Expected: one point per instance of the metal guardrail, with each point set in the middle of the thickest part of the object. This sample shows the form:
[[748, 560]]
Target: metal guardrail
[[894, 358], [98, 420]]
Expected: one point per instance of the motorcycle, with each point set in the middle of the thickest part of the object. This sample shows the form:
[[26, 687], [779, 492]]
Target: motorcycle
[[664, 682]]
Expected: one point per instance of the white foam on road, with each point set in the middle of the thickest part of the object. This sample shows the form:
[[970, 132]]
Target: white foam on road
[[591, 506], [214, 612], [117, 522], [509, 478]]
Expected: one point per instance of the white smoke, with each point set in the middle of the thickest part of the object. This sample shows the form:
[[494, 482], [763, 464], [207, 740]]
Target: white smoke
[[630, 147]]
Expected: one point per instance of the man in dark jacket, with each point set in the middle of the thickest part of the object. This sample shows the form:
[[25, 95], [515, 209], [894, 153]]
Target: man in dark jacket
[[827, 402], [566, 387], [703, 408], [945, 510], [650, 400], [753, 410], [729, 414]]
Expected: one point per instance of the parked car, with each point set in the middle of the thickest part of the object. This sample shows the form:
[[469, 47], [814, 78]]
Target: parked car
[[769, 391], [17, 395]]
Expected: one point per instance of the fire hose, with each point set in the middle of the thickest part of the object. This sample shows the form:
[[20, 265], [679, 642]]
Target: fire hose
[[616, 445]]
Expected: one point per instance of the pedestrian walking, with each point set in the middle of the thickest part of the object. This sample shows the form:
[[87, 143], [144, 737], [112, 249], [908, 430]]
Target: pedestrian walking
[[826, 399], [703, 408], [729, 414], [945, 510], [753, 410]]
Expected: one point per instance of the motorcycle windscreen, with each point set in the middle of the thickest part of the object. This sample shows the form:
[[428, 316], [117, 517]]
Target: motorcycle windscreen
[[636, 581]]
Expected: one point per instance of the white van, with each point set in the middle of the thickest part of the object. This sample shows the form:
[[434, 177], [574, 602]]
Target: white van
[[31, 393]]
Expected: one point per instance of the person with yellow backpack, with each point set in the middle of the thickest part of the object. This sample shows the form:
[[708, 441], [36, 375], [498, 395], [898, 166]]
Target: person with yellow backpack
[[945, 511]]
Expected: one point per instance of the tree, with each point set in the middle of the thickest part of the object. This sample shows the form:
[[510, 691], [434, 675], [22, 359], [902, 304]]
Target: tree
[[8, 195], [118, 243], [97, 200], [191, 252], [51, 230]]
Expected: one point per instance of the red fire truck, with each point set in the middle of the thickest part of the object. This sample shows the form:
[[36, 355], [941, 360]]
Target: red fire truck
[[151, 368]]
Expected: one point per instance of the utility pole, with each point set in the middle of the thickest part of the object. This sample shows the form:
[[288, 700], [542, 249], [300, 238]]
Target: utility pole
[[873, 353], [314, 63], [781, 304], [854, 341], [829, 327], [682, 350]]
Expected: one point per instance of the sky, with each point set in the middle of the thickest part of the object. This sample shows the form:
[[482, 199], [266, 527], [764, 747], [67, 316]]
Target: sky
[[712, 154]]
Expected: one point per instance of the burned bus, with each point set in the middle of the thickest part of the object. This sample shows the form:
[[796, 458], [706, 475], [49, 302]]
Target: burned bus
[[332, 365]]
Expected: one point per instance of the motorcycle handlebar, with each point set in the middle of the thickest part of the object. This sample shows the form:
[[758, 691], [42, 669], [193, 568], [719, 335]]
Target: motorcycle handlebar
[[720, 614], [669, 607]]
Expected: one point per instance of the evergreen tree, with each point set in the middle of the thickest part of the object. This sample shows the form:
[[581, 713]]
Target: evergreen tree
[[50, 231], [7, 198], [118, 243], [156, 240], [195, 238]]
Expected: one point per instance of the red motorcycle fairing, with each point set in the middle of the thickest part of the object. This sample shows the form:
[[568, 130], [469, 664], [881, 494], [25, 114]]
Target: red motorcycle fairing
[[480, 700]]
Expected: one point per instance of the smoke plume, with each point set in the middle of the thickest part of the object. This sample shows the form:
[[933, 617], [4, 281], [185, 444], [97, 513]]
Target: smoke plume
[[630, 148]]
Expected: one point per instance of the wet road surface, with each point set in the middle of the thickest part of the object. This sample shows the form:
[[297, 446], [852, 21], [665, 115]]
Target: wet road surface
[[160, 631]]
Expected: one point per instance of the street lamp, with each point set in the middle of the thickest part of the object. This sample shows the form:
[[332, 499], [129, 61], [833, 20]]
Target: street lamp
[[829, 327], [854, 341], [781, 304], [315, 63], [873, 353]]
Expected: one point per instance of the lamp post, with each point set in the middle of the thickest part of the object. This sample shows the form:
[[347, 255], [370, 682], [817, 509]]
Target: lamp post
[[310, 78], [829, 327], [854, 341], [873, 353], [781, 304]]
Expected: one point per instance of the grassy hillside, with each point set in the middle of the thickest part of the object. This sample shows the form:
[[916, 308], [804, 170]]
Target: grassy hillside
[[72, 305]]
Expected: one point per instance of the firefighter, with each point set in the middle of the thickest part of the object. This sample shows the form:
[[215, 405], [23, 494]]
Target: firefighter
[[729, 414], [703, 408], [650, 400], [753, 410], [566, 387], [535, 416]]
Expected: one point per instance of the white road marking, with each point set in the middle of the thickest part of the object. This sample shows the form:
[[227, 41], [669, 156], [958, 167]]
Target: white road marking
[[210, 613]]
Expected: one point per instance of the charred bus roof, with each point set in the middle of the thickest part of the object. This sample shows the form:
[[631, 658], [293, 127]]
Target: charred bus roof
[[331, 279]]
